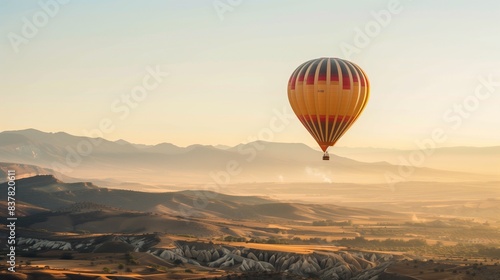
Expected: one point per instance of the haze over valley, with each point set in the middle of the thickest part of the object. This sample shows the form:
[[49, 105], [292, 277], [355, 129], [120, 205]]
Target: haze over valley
[[219, 210], [254, 162]]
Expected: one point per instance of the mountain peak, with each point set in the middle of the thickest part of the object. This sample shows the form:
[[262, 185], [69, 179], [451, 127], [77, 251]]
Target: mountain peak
[[39, 180], [122, 142], [28, 130], [165, 144]]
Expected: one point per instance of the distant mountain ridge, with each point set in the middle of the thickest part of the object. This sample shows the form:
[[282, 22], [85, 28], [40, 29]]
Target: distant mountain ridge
[[480, 160], [165, 163]]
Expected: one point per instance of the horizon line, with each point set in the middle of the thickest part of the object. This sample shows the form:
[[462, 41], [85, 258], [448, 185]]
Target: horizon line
[[241, 143]]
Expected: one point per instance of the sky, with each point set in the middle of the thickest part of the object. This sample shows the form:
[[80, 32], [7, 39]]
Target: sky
[[216, 71]]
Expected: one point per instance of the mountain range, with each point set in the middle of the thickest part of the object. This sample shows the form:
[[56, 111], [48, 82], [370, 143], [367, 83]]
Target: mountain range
[[120, 161], [480, 160]]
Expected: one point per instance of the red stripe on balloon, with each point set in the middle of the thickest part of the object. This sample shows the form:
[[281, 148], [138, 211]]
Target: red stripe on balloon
[[323, 118]]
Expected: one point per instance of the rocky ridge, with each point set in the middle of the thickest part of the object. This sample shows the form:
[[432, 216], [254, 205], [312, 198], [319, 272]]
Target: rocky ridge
[[135, 243], [323, 265]]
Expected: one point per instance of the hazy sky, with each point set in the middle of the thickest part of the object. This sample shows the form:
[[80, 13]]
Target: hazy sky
[[67, 66]]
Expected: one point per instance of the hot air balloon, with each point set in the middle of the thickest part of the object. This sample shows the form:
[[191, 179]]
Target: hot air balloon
[[328, 95]]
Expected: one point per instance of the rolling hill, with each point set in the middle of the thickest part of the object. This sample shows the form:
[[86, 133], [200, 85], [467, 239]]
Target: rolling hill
[[57, 198], [28, 170]]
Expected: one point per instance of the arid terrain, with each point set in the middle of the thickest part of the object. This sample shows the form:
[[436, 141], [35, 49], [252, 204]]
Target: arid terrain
[[255, 211], [82, 231]]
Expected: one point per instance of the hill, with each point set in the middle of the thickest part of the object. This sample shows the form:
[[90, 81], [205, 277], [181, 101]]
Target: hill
[[69, 201], [28, 170]]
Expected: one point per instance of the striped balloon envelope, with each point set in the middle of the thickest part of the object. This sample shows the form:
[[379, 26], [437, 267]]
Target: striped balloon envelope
[[328, 95]]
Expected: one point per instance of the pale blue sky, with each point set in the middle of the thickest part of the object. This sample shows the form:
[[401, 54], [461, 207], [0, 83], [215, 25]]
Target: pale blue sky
[[227, 76]]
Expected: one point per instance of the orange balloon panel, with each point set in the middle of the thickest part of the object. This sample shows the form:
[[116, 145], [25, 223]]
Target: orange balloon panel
[[328, 95]]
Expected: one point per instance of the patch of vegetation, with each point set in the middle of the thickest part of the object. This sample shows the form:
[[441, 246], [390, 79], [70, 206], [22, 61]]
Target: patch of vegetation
[[324, 223], [29, 254], [489, 252], [66, 256], [130, 259], [361, 242], [230, 238], [114, 247], [270, 241], [34, 219]]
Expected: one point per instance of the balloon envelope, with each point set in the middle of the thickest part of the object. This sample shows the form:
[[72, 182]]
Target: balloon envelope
[[328, 95]]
